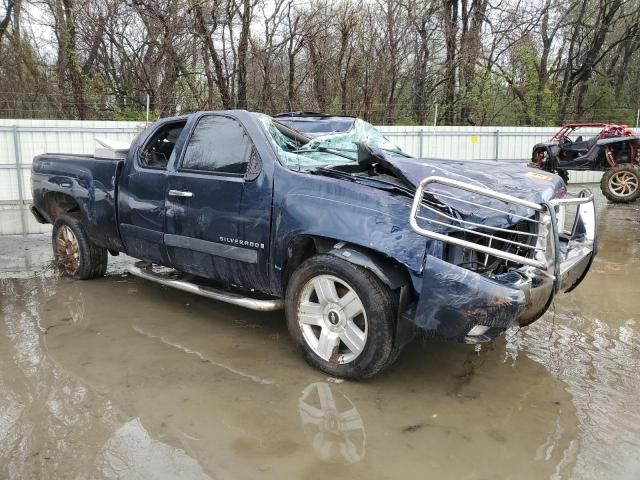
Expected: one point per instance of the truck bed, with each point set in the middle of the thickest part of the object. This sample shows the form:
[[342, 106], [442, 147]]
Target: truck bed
[[91, 183]]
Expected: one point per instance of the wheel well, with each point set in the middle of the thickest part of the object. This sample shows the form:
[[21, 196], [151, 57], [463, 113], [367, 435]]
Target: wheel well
[[538, 151], [56, 203], [389, 271]]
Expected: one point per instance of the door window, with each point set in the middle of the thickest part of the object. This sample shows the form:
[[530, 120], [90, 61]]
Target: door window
[[218, 145], [158, 149]]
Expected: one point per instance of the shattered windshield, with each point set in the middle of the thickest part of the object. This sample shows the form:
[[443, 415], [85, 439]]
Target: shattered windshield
[[326, 150]]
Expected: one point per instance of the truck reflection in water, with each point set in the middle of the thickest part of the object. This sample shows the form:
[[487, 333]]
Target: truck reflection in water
[[333, 422]]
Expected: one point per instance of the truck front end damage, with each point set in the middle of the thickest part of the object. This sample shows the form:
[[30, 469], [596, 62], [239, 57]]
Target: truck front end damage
[[486, 277]]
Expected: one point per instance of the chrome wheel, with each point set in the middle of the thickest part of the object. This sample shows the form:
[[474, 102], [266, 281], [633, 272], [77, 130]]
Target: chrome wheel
[[623, 184], [67, 250], [335, 423], [332, 319]]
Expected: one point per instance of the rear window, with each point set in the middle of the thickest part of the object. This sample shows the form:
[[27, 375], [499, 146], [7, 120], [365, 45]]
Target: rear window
[[318, 125]]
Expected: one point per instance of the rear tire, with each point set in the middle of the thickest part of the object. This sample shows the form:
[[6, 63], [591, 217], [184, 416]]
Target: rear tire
[[621, 183], [341, 317], [74, 254]]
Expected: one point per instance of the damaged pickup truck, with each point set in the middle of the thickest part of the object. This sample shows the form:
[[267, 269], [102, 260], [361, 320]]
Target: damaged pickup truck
[[363, 246]]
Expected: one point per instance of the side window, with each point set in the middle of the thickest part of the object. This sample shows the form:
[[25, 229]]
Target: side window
[[158, 150], [218, 144]]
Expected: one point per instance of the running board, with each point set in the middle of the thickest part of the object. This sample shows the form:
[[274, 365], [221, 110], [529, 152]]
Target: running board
[[251, 303]]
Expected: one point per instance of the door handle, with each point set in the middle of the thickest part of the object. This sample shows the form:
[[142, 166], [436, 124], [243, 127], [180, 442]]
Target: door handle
[[180, 193]]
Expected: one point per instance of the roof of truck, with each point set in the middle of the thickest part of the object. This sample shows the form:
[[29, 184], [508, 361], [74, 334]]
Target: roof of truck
[[316, 123]]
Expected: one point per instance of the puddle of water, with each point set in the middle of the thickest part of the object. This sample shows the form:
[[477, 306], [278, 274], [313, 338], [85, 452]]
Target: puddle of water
[[119, 378]]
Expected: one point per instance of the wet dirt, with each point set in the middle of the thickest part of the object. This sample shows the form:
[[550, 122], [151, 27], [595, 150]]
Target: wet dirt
[[122, 378]]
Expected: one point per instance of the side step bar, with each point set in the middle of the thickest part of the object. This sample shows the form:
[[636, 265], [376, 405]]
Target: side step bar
[[140, 270]]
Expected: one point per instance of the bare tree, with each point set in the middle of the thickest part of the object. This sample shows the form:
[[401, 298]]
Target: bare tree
[[387, 60], [449, 15], [206, 33], [68, 61], [4, 21], [295, 44]]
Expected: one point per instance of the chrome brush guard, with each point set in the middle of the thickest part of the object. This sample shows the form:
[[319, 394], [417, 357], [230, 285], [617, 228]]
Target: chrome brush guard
[[548, 246]]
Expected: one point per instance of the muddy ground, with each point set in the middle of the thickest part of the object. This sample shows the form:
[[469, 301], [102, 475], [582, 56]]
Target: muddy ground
[[122, 378]]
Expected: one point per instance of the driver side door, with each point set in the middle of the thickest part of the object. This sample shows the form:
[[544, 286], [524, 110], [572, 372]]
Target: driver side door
[[218, 205]]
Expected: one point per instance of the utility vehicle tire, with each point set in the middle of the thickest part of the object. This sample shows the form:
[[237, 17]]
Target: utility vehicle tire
[[74, 254], [341, 317], [621, 183]]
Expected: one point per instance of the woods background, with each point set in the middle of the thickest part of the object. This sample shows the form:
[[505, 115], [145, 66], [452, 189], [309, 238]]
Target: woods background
[[499, 62]]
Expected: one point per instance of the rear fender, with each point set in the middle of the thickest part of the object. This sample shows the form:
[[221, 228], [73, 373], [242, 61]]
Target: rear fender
[[612, 140], [59, 203], [75, 183]]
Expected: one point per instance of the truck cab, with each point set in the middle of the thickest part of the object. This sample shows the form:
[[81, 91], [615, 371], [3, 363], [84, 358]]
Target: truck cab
[[195, 195]]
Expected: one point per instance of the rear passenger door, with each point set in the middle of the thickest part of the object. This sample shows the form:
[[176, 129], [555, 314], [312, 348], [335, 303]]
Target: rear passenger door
[[142, 192], [218, 205]]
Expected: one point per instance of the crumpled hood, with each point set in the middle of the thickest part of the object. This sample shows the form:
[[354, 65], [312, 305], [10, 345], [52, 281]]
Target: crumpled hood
[[512, 179]]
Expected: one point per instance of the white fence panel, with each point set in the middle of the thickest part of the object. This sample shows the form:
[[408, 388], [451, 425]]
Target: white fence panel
[[21, 140], [33, 137]]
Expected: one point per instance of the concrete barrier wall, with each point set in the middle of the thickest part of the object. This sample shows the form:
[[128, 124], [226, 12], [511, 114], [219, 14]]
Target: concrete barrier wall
[[21, 140]]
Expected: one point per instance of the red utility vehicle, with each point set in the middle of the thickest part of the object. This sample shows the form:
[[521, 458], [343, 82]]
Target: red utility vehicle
[[615, 150]]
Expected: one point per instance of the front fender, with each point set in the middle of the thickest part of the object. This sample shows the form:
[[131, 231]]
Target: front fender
[[392, 274], [382, 229]]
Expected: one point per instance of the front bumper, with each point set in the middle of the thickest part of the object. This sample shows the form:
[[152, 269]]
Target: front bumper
[[453, 301]]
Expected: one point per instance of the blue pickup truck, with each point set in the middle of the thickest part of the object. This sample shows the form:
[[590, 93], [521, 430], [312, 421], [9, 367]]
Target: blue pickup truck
[[362, 245]]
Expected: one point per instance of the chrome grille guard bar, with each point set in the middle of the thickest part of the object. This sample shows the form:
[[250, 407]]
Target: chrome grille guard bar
[[540, 243]]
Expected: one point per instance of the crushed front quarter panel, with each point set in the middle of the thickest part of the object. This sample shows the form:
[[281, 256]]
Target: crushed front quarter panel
[[453, 300]]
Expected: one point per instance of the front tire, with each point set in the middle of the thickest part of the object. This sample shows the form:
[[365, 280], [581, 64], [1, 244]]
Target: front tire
[[74, 254], [341, 317], [621, 183]]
